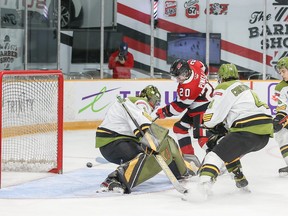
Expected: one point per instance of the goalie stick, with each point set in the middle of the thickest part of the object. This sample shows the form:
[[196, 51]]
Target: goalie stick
[[101, 160], [158, 157]]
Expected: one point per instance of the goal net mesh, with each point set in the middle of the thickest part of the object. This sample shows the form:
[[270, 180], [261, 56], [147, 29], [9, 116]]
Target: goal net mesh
[[30, 130]]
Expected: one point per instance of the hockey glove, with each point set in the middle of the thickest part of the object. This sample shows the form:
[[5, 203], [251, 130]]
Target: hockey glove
[[280, 121], [212, 142], [219, 129], [162, 113]]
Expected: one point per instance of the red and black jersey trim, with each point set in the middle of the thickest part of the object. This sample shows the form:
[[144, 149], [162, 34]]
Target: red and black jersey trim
[[166, 110], [179, 105]]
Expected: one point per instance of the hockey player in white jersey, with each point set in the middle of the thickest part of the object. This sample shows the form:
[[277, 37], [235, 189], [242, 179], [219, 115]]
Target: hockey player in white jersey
[[119, 141], [280, 122], [241, 120]]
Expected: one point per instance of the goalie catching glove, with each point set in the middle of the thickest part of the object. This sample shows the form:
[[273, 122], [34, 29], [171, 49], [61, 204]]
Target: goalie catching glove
[[280, 121]]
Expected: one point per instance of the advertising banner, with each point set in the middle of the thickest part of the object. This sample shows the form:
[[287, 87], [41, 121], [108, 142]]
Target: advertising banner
[[89, 100]]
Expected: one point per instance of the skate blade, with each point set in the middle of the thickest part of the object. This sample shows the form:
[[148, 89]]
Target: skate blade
[[283, 174], [245, 189], [198, 193], [195, 196]]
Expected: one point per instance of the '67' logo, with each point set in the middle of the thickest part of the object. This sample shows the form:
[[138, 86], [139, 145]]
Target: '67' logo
[[192, 8]]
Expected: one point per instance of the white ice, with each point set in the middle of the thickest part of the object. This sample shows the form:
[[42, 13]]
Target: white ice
[[73, 192]]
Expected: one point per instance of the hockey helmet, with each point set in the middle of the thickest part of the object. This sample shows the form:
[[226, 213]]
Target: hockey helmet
[[152, 94], [227, 72], [180, 69], [282, 63]]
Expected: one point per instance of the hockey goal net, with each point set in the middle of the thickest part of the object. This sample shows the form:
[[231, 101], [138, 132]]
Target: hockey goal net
[[31, 121]]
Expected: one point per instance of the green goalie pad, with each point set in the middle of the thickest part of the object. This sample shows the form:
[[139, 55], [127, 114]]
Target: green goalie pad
[[144, 166], [154, 137]]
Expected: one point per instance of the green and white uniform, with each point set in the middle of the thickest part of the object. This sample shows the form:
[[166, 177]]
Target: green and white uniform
[[281, 91], [247, 120], [239, 108], [118, 125], [119, 141]]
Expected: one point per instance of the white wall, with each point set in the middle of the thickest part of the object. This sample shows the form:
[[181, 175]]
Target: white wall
[[84, 102], [239, 22]]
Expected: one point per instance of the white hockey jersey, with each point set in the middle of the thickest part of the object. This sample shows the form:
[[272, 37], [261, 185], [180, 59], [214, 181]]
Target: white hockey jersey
[[239, 108], [281, 92], [118, 124]]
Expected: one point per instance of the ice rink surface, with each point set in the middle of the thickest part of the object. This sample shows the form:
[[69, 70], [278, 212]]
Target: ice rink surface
[[73, 192]]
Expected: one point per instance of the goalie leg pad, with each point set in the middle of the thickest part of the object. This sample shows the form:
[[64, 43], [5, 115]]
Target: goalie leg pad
[[182, 166], [144, 167], [154, 136], [138, 170]]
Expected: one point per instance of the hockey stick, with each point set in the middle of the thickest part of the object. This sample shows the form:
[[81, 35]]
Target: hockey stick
[[157, 156], [101, 160]]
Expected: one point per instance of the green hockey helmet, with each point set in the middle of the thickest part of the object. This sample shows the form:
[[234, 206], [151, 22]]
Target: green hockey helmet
[[282, 63], [152, 94], [227, 72]]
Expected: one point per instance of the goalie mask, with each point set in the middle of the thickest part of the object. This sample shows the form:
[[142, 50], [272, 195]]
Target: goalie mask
[[282, 63], [152, 94], [180, 70], [227, 72]]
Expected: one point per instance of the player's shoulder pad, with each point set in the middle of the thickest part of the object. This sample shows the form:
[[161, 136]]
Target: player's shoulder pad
[[225, 85], [281, 85]]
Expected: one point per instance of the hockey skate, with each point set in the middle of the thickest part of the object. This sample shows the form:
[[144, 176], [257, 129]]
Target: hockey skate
[[283, 171], [202, 191], [205, 188], [111, 185], [192, 159], [189, 173], [240, 179]]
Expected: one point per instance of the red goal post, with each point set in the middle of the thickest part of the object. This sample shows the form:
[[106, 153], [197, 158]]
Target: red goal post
[[31, 137]]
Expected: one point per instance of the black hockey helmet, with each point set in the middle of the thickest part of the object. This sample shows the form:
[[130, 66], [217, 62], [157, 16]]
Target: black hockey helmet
[[180, 67]]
